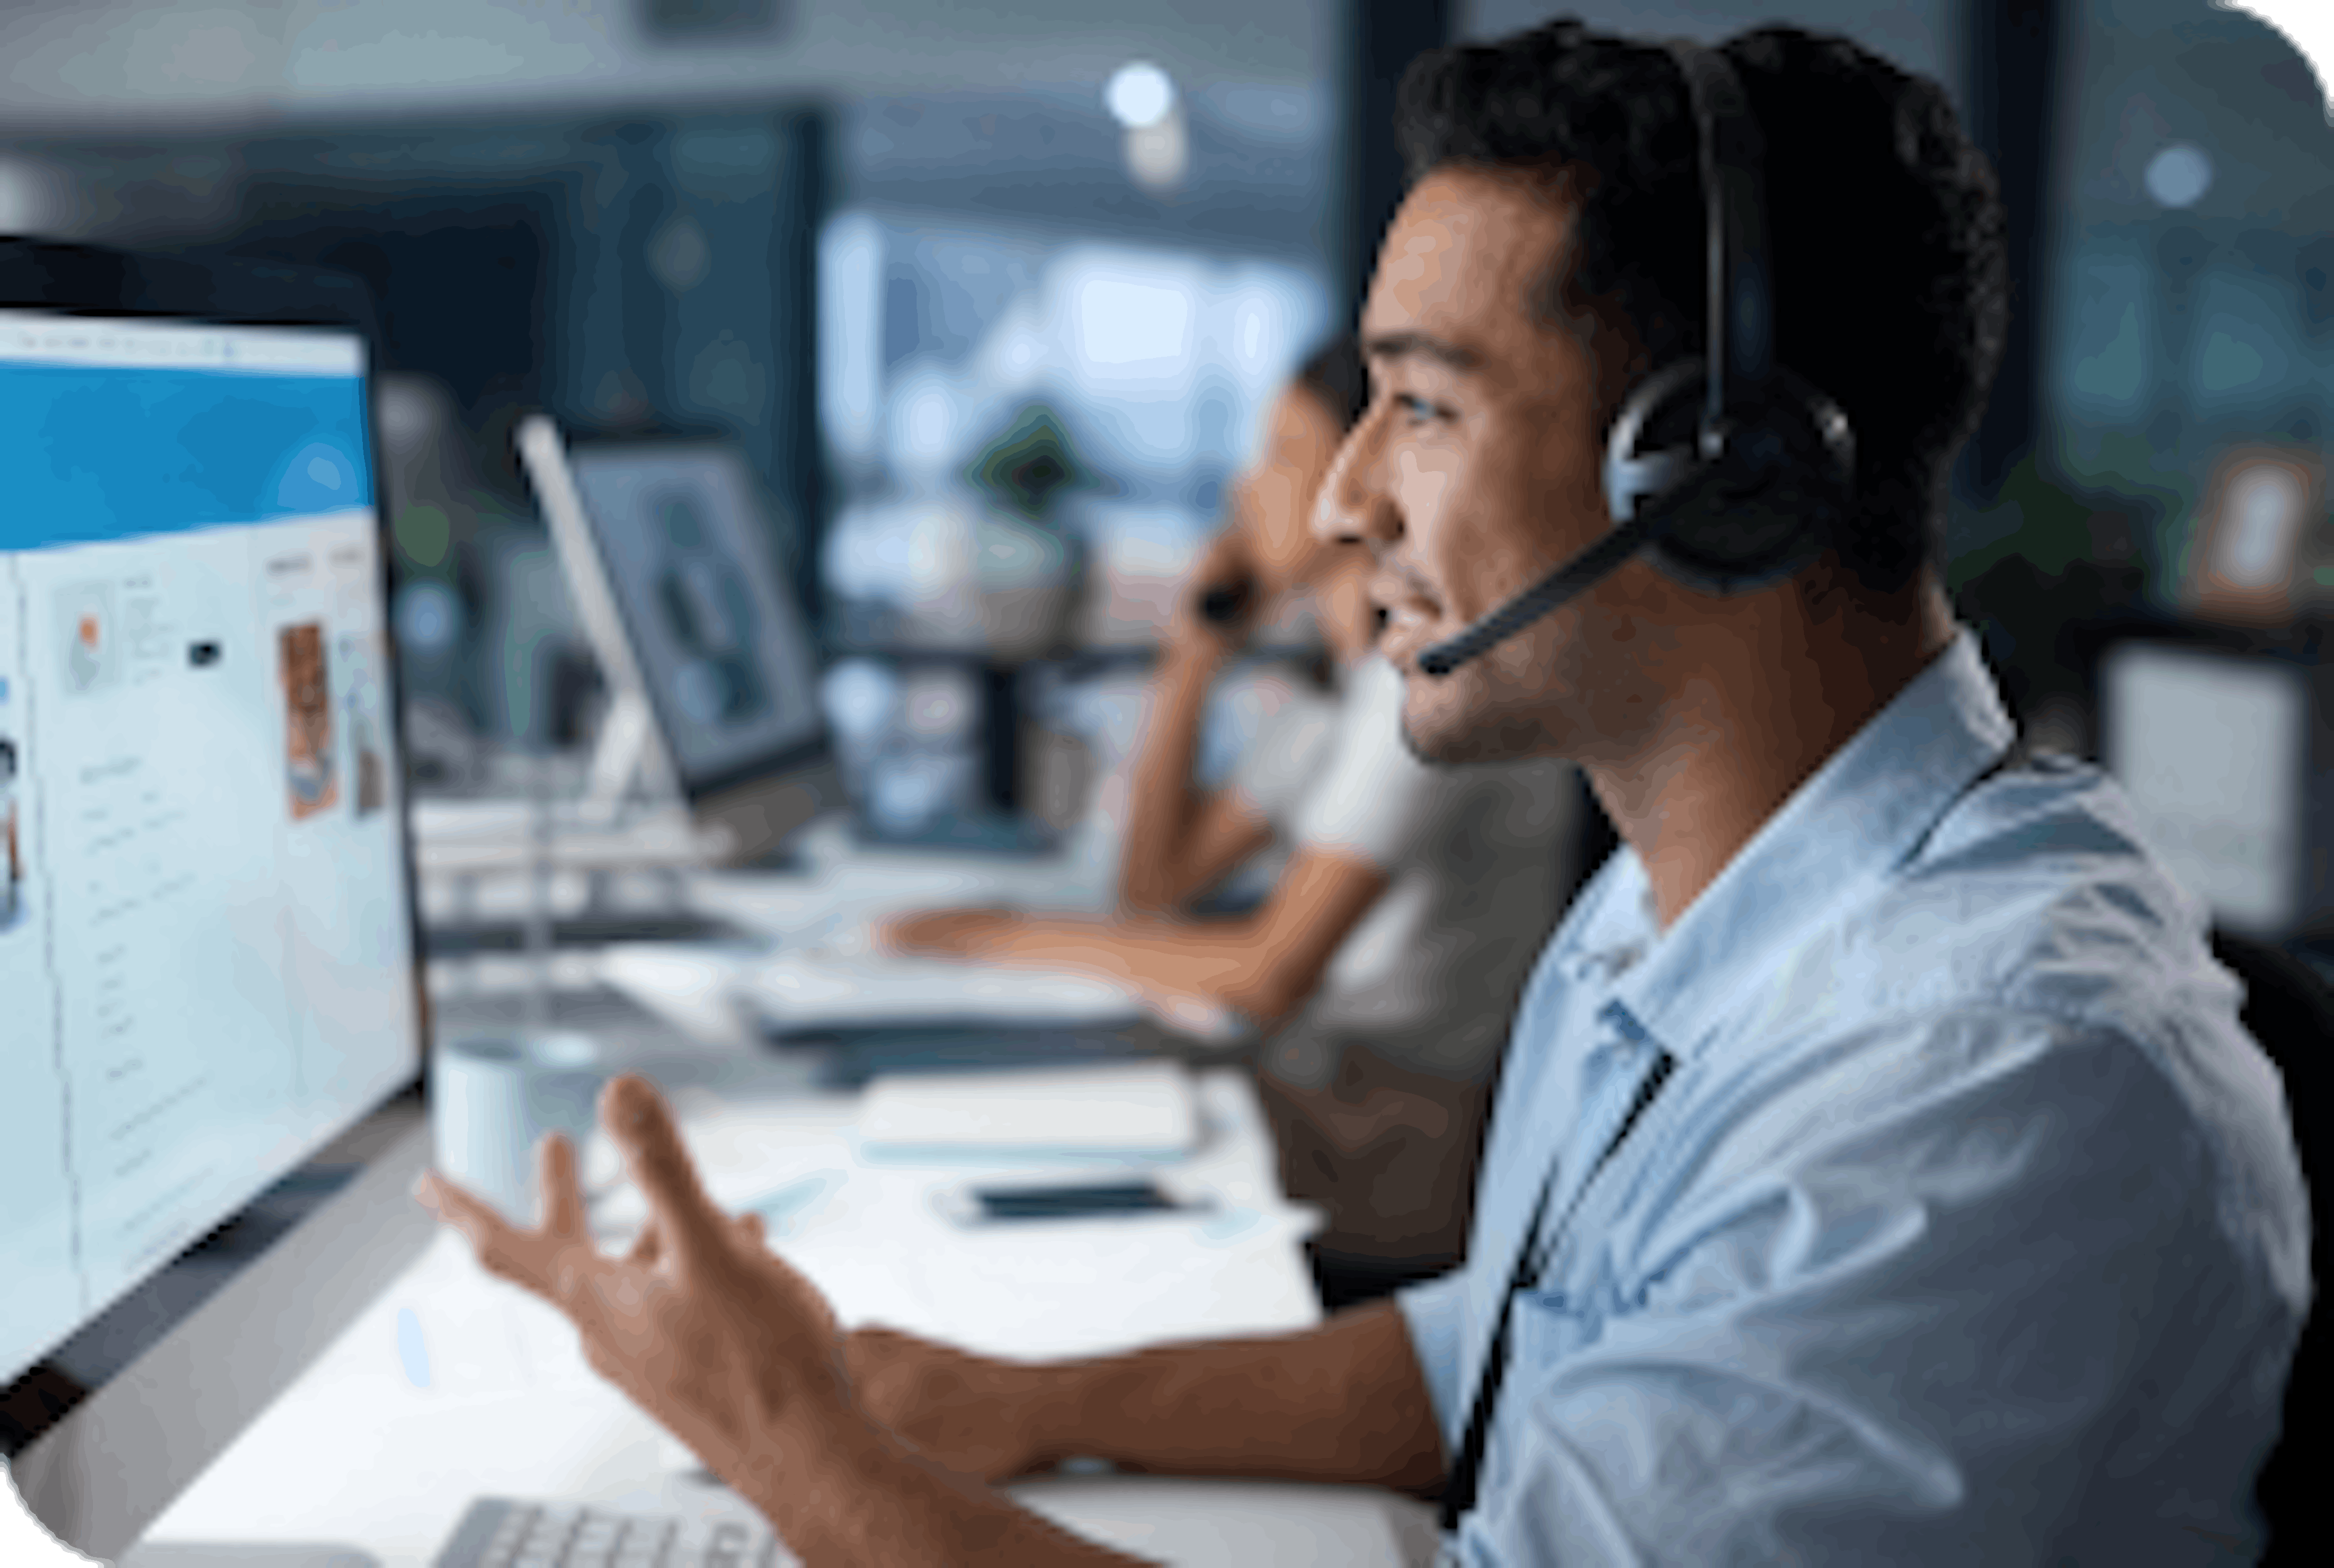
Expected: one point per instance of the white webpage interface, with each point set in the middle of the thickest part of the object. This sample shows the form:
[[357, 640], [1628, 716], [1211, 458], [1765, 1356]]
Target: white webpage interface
[[205, 950]]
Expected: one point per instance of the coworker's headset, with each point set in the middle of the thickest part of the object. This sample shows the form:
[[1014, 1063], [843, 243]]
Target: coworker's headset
[[1730, 469]]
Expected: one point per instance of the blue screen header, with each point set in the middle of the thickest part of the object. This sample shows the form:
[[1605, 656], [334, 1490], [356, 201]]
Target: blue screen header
[[99, 452]]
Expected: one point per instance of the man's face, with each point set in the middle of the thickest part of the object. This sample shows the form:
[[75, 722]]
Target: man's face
[[1479, 468]]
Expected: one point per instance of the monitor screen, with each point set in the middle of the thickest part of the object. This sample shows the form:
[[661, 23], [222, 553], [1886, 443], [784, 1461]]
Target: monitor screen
[[2211, 746], [720, 644], [206, 946]]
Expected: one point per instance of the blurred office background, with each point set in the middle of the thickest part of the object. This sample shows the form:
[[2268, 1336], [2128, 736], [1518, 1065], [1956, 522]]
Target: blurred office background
[[993, 300]]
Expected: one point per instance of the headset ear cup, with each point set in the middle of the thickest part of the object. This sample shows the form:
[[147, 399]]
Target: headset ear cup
[[1650, 451], [1782, 490]]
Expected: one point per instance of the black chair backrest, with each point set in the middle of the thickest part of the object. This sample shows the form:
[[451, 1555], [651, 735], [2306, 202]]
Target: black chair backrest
[[2289, 1009]]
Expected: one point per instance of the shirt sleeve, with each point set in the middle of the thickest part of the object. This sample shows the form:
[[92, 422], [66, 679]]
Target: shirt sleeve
[[1373, 795], [1435, 1313], [1292, 734], [1942, 1320]]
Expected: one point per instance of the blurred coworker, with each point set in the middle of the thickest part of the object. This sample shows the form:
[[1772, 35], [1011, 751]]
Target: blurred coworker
[[1384, 965]]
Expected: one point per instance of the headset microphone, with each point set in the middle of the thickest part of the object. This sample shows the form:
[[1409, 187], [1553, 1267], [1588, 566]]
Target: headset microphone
[[1730, 470]]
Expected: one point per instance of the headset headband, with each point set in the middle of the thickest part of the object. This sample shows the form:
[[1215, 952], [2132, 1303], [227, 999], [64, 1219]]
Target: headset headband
[[1738, 320]]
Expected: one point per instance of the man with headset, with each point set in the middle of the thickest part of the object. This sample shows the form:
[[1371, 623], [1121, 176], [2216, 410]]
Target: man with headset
[[1879, 1172]]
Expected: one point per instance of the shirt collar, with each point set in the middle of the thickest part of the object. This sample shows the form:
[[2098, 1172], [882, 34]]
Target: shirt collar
[[1865, 810]]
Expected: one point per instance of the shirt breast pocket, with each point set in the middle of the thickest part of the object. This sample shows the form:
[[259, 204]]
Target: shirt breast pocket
[[1550, 1327]]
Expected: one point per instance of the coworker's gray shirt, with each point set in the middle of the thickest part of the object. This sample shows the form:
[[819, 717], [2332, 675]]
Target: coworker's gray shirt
[[1420, 993]]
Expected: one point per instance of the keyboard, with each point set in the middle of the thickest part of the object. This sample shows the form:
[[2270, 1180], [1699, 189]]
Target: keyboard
[[503, 1532]]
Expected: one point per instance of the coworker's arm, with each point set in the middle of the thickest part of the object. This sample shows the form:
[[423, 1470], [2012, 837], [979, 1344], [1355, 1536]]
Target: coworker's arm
[[738, 1355], [1179, 839], [1265, 964], [1344, 1402]]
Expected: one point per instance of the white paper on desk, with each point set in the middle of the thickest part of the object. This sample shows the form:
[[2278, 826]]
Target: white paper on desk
[[1063, 1288], [1117, 1108]]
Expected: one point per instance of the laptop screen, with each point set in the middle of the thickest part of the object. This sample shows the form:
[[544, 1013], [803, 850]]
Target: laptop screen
[[204, 935]]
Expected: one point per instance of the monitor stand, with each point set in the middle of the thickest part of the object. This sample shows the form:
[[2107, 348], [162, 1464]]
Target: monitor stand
[[628, 764]]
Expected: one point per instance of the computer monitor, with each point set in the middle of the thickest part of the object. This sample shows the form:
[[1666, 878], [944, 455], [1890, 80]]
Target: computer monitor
[[207, 951], [667, 548], [2220, 744]]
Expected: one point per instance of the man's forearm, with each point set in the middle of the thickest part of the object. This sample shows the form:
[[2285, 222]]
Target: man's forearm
[[861, 1500], [1344, 1403]]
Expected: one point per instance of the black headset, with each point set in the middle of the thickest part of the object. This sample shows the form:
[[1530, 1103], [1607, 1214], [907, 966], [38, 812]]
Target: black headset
[[1730, 469]]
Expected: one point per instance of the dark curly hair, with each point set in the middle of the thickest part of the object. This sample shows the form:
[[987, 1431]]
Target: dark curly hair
[[1886, 226]]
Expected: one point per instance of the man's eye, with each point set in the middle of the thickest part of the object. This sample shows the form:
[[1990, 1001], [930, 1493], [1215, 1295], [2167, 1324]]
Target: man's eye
[[1416, 410]]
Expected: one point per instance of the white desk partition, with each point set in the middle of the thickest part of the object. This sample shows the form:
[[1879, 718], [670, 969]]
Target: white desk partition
[[452, 1385]]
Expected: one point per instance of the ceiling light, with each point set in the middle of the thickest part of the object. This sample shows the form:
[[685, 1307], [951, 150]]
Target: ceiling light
[[2180, 175], [1139, 94]]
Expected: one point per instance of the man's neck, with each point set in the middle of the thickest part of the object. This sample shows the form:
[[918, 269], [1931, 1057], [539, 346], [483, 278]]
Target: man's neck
[[1740, 738]]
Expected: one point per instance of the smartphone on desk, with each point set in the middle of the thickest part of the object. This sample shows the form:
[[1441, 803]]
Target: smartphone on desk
[[971, 1205]]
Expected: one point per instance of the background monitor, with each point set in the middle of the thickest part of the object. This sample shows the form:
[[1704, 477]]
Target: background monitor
[[2221, 751], [669, 552], [208, 948]]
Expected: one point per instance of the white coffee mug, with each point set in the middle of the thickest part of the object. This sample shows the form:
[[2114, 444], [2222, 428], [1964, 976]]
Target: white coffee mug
[[494, 1094]]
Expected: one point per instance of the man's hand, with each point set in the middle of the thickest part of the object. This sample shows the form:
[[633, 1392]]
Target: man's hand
[[738, 1355], [969, 1414], [733, 1352]]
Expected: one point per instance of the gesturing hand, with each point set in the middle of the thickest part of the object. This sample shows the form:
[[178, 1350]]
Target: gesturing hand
[[728, 1348]]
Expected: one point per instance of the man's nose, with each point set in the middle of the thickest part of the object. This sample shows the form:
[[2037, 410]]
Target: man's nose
[[1352, 506]]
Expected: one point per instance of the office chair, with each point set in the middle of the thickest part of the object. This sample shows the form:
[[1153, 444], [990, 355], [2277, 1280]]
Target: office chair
[[2289, 1009]]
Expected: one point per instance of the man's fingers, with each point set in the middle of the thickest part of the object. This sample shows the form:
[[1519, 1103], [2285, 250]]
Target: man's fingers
[[563, 1198], [501, 1249], [638, 1119], [647, 1247]]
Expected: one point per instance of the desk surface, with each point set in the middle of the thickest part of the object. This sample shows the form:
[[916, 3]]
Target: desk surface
[[452, 1385]]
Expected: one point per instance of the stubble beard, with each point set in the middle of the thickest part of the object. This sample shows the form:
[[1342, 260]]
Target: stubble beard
[[1517, 700]]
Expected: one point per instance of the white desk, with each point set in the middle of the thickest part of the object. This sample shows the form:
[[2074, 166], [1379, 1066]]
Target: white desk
[[452, 1385]]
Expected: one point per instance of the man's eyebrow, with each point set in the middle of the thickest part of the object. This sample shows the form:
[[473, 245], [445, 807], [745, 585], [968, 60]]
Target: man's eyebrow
[[1421, 345]]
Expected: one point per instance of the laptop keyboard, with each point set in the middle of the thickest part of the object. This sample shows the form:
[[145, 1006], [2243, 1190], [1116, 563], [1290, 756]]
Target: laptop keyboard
[[502, 1532]]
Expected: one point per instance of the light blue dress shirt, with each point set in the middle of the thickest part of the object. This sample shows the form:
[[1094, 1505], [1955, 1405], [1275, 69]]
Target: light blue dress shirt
[[1968, 1227]]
